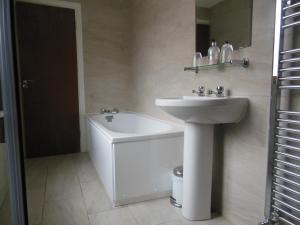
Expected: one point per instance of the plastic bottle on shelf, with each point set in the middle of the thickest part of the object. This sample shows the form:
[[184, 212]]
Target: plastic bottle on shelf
[[213, 53], [226, 53]]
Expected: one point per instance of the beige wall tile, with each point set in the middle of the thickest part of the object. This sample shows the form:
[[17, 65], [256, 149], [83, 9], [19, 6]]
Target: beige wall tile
[[135, 51], [157, 72]]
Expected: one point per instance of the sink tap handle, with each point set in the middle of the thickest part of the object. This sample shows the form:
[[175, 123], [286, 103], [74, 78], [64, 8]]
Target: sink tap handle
[[201, 89], [200, 92], [220, 90]]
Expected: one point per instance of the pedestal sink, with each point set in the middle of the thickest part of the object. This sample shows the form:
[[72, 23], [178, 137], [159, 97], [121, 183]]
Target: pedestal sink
[[200, 114]]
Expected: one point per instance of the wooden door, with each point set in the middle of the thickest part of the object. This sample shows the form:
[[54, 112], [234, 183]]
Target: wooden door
[[48, 70]]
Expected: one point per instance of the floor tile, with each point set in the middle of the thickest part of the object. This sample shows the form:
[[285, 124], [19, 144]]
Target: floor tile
[[62, 186], [95, 197], [61, 164], [84, 168], [72, 194], [36, 174], [121, 216], [5, 213], [154, 212], [69, 211], [35, 205], [214, 221]]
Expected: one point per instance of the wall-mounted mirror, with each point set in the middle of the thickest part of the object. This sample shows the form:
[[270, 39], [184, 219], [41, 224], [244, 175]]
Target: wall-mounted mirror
[[223, 20]]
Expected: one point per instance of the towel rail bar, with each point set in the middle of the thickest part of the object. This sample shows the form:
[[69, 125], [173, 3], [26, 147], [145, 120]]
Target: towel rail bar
[[292, 113], [291, 6], [286, 196], [287, 164], [291, 15], [289, 78], [290, 190], [291, 24], [286, 221], [287, 138], [290, 156], [290, 147], [286, 204], [293, 174], [287, 180], [290, 51], [286, 213], [297, 122]]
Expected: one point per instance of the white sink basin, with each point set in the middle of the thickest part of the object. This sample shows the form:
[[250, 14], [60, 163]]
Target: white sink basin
[[205, 110], [200, 114]]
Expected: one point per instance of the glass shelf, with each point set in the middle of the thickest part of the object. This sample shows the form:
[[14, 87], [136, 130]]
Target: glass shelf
[[243, 62]]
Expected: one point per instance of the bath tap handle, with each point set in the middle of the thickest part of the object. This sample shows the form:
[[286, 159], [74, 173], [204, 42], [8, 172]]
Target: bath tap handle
[[103, 110], [115, 110]]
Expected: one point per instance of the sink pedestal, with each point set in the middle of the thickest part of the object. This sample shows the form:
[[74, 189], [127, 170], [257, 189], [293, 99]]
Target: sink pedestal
[[200, 114], [197, 167]]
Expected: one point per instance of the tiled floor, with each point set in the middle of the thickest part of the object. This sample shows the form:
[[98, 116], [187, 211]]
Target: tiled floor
[[65, 190]]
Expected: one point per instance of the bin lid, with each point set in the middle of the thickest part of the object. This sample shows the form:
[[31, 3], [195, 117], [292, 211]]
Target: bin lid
[[178, 171]]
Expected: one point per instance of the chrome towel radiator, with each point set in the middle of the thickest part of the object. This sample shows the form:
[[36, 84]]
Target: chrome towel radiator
[[283, 185]]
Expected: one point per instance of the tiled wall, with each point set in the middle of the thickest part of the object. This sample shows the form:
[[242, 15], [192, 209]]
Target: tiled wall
[[162, 44], [132, 57], [106, 53]]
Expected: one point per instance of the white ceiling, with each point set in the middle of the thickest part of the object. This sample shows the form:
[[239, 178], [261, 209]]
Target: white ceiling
[[207, 3]]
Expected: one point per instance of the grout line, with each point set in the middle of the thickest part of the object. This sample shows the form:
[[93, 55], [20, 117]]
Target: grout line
[[45, 195], [81, 190], [134, 217]]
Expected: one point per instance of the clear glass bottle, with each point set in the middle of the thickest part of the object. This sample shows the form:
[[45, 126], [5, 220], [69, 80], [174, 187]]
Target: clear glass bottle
[[213, 53], [226, 53]]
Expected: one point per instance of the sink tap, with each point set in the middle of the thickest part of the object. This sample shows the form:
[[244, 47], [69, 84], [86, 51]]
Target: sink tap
[[200, 92], [219, 91]]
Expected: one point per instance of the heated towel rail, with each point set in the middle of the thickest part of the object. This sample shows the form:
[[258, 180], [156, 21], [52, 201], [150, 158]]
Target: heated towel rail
[[283, 185]]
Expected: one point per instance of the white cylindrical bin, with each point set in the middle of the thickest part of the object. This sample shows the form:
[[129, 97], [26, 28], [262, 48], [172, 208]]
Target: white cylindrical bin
[[177, 177]]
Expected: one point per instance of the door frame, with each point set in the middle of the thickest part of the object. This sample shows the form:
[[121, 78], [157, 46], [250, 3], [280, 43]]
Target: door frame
[[80, 65], [12, 122]]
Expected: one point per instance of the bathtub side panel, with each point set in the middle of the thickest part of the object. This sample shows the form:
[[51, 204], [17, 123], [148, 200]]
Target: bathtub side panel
[[100, 151], [143, 168]]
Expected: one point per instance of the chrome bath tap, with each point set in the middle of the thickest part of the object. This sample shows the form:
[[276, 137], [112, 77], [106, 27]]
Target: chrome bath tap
[[109, 117], [109, 111], [219, 91]]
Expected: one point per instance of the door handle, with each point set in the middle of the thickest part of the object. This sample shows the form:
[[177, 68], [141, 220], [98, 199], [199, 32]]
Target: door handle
[[26, 83]]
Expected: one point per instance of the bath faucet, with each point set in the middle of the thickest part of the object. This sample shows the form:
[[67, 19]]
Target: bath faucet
[[109, 118], [219, 91], [112, 111], [200, 92]]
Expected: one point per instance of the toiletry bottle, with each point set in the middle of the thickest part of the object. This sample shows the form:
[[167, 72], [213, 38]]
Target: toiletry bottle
[[226, 53], [213, 53]]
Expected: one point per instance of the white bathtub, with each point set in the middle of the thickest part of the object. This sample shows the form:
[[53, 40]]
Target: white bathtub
[[134, 155]]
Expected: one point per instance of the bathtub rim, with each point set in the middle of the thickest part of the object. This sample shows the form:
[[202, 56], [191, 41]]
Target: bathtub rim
[[117, 137]]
